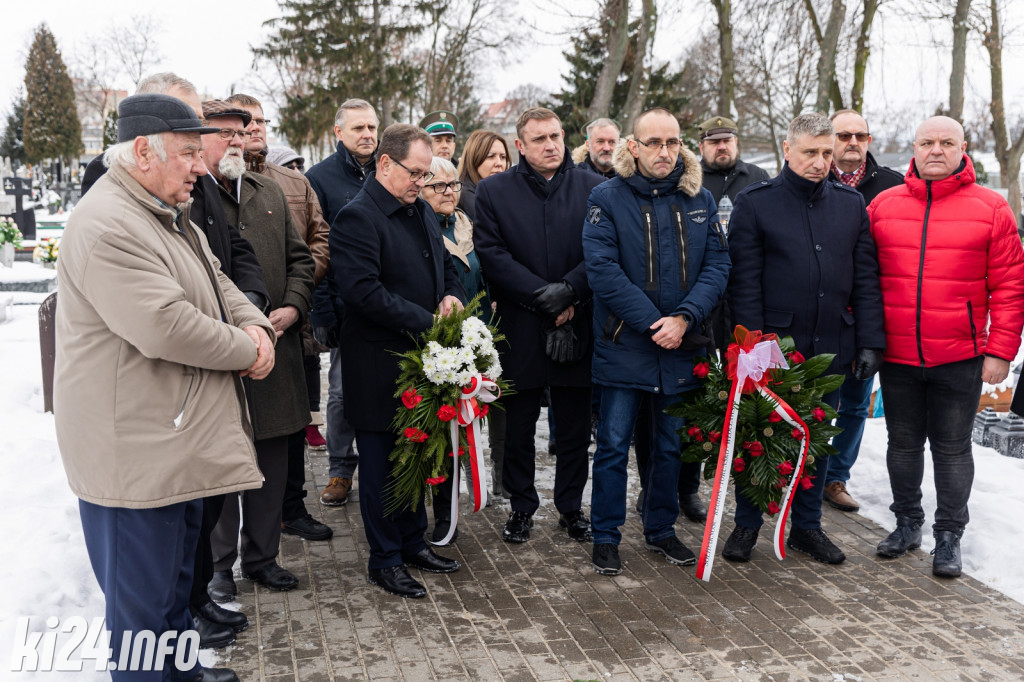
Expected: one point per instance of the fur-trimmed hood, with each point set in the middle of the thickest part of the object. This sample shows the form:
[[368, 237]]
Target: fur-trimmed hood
[[690, 182], [580, 154]]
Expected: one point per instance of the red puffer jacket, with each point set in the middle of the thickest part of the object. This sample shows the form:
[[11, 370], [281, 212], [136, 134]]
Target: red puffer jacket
[[952, 270]]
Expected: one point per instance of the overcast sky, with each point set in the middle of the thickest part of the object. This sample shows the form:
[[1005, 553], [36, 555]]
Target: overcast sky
[[208, 43]]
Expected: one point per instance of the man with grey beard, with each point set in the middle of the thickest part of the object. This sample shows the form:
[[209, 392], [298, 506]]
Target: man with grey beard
[[278, 407]]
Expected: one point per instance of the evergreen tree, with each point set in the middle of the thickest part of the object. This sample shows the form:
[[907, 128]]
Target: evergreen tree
[[51, 127], [110, 128], [328, 51], [586, 57], [12, 144]]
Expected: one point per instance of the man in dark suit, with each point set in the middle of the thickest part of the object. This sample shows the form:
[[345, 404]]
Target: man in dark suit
[[389, 262], [804, 265], [529, 236]]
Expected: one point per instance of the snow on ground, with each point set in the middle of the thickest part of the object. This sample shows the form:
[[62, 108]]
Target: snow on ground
[[46, 571]]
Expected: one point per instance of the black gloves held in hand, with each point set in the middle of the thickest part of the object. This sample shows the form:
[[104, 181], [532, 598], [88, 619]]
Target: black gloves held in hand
[[867, 363], [562, 345], [552, 299], [326, 336]]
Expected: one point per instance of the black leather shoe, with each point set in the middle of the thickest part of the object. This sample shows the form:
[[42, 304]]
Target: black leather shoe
[[906, 537], [816, 543], [576, 525], [236, 620], [693, 508], [396, 580], [740, 544], [307, 528], [222, 587], [213, 635], [427, 560], [947, 562], [215, 675], [273, 577], [517, 528], [640, 502]]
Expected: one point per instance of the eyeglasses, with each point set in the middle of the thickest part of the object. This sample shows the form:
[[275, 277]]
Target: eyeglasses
[[416, 176], [671, 145], [861, 137], [261, 121], [442, 187], [228, 133]]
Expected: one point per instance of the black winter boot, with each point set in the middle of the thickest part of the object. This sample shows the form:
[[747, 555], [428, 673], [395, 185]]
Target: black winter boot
[[947, 563], [906, 537]]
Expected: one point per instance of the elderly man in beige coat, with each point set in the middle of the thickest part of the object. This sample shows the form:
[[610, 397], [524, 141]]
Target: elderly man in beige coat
[[152, 342]]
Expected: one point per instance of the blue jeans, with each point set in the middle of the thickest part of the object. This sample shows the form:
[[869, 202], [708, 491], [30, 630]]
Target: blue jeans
[[854, 400], [619, 408], [341, 456], [937, 403]]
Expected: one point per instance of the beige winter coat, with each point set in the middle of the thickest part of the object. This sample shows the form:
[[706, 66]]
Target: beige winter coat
[[148, 404]]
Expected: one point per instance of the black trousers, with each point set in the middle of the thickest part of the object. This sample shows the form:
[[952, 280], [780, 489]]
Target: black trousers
[[260, 514], [294, 507], [212, 507], [389, 535], [571, 408]]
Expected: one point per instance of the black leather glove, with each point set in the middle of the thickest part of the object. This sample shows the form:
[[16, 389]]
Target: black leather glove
[[326, 336], [258, 300], [552, 299], [867, 363], [561, 344]]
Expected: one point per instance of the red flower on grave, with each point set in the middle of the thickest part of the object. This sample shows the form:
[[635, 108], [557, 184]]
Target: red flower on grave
[[755, 448], [446, 413], [410, 398], [715, 436], [739, 464], [437, 480], [796, 357], [818, 414], [797, 433], [695, 433], [773, 508], [774, 418], [701, 370], [785, 468], [806, 482]]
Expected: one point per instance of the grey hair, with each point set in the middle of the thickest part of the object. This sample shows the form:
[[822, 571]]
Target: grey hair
[[440, 165], [602, 123], [349, 105], [813, 124], [123, 153], [162, 83]]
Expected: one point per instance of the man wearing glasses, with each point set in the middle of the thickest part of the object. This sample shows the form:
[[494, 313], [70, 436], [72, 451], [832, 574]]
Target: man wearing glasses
[[854, 166], [528, 234], [657, 261], [277, 405], [390, 265]]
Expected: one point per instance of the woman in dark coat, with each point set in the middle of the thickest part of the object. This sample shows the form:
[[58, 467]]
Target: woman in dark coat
[[486, 154]]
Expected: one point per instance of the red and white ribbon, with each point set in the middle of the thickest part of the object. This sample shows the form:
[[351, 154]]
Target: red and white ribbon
[[480, 389], [752, 366]]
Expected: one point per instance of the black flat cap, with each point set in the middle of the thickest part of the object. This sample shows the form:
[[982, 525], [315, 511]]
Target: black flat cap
[[151, 113]]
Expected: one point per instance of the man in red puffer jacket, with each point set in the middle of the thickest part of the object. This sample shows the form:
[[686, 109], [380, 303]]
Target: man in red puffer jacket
[[952, 271]]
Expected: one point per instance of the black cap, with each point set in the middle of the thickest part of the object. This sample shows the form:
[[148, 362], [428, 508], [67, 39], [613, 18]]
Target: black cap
[[152, 113]]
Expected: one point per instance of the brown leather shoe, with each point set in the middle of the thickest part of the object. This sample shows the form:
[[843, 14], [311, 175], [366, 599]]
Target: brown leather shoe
[[336, 492], [836, 495]]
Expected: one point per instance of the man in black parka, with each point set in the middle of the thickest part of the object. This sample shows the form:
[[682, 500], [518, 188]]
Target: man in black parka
[[529, 236], [804, 265], [394, 274]]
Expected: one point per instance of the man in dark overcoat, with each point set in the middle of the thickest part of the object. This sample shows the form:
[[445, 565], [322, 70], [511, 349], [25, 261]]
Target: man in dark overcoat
[[529, 236], [804, 265], [278, 406], [394, 274]]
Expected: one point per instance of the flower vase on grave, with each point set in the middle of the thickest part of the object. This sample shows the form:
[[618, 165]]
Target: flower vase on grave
[[7, 255]]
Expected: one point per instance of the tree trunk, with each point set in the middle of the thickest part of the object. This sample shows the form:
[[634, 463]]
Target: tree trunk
[[860, 59], [1007, 154], [827, 58], [727, 84], [956, 76], [379, 56], [638, 80], [617, 12]]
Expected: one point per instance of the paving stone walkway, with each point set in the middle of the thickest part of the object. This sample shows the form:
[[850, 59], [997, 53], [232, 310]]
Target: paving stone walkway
[[538, 611]]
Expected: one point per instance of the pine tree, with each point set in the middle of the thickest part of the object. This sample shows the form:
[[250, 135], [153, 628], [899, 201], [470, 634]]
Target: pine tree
[[586, 57], [110, 128], [328, 51], [51, 128], [12, 145]]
